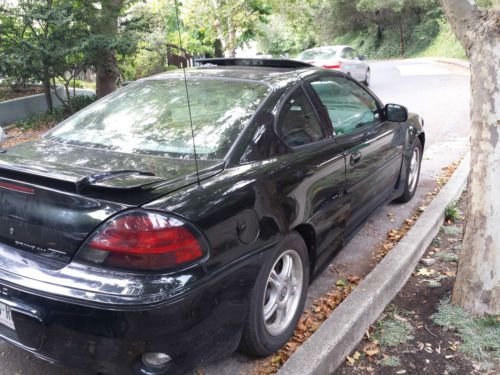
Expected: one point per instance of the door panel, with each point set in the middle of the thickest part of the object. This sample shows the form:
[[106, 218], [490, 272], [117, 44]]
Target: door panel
[[372, 146], [318, 173], [371, 178]]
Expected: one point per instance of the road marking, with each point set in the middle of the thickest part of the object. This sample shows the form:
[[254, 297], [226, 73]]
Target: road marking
[[423, 70]]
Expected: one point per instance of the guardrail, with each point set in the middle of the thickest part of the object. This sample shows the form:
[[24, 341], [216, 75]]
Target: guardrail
[[27, 106]]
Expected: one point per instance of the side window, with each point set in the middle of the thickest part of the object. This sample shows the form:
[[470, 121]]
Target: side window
[[298, 124], [349, 53], [349, 106]]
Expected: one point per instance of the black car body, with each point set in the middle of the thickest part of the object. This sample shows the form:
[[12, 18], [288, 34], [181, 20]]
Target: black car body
[[54, 197]]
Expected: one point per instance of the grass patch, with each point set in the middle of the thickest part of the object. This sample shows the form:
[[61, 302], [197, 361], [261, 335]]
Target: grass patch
[[448, 257], [451, 230], [391, 332], [480, 336], [444, 44], [451, 212], [390, 361]]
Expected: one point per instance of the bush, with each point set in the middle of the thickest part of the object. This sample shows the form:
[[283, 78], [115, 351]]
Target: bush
[[79, 102], [49, 119]]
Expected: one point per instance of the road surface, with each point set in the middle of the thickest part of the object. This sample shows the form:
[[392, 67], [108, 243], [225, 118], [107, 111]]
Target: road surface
[[440, 94]]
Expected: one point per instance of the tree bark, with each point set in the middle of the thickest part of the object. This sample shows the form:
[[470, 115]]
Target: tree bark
[[477, 286], [401, 37], [107, 70], [46, 89]]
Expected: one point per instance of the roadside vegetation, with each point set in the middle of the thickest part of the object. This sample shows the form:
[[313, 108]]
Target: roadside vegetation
[[74, 43], [421, 331]]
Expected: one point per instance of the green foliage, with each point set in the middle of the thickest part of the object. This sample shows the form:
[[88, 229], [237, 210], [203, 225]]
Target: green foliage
[[379, 29], [451, 212], [231, 22], [78, 102], [451, 230], [50, 119], [392, 332], [41, 40], [390, 361], [444, 43], [480, 336]]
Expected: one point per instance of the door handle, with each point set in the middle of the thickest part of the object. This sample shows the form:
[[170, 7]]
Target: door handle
[[356, 157]]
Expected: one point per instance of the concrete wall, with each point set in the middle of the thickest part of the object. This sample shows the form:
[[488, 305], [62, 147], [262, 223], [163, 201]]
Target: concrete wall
[[22, 108]]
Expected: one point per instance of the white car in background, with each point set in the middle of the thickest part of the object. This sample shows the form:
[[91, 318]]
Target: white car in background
[[343, 58]]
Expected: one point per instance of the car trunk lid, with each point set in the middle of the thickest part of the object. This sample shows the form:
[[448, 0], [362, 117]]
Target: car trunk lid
[[52, 195]]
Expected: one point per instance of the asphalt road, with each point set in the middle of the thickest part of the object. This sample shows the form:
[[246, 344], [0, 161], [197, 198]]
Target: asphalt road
[[440, 94]]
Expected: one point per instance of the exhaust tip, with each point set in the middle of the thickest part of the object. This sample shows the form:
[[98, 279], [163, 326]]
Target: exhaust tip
[[156, 360]]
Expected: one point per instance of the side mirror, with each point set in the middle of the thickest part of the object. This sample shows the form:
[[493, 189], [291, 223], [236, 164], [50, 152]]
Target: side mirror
[[396, 113]]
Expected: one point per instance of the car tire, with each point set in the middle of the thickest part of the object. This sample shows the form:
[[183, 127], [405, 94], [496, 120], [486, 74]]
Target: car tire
[[412, 174], [276, 290], [366, 82]]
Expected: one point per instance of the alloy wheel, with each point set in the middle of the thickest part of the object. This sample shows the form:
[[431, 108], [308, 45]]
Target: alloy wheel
[[414, 167], [283, 292]]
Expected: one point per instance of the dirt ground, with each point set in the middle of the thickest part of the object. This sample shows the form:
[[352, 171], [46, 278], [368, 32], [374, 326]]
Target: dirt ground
[[406, 339]]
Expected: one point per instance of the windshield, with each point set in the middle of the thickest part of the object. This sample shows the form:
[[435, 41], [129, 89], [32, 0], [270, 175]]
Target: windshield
[[318, 54], [152, 117]]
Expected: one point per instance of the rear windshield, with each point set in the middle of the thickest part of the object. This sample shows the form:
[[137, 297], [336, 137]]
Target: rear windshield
[[318, 54], [152, 117]]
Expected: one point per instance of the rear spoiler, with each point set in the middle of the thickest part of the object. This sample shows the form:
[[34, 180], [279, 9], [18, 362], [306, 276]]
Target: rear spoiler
[[74, 180]]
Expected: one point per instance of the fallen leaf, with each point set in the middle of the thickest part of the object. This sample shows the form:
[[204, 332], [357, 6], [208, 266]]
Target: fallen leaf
[[356, 356], [400, 318], [350, 361], [353, 279], [424, 272], [340, 282], [372, 352]]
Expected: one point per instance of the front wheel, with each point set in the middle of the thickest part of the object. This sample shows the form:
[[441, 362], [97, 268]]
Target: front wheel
[[278, 298], [412, 174]]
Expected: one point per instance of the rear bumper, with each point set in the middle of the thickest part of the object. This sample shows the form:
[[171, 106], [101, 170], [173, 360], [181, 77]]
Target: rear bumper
[[198, 325], [91, 285]]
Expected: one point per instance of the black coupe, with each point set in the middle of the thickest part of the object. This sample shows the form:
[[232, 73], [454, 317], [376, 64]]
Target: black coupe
[[184, 216]]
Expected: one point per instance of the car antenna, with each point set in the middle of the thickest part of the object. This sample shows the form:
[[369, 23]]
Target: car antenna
[[187, 91]]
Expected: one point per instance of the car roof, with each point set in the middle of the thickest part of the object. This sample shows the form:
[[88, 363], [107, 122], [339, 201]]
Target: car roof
[[272, 76], [337, 47]]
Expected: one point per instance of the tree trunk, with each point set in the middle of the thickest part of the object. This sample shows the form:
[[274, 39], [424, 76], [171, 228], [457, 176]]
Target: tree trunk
[[46, 89], [107, 70], [106, 74], [401, 38], [477, 287]]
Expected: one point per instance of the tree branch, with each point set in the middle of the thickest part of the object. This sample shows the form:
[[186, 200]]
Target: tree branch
[[463, 15]]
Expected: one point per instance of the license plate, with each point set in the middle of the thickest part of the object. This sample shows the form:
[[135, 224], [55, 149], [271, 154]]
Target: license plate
[[6, 316]]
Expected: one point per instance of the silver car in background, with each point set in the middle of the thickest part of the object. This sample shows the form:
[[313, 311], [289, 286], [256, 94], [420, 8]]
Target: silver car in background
[[343, 58]]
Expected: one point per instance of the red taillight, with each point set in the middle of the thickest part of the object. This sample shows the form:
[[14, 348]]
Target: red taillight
[[143, 241], [335, 65]]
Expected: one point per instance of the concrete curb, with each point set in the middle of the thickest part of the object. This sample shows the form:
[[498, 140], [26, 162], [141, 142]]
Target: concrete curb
[[457, 62], [327, 348]]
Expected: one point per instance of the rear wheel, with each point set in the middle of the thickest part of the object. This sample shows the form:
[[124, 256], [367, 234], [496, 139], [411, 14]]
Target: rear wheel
[[412, 174], [278, 298]]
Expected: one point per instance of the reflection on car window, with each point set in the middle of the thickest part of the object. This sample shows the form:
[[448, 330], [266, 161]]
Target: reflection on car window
[[298, 123], [349, 106], [152, 117]]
